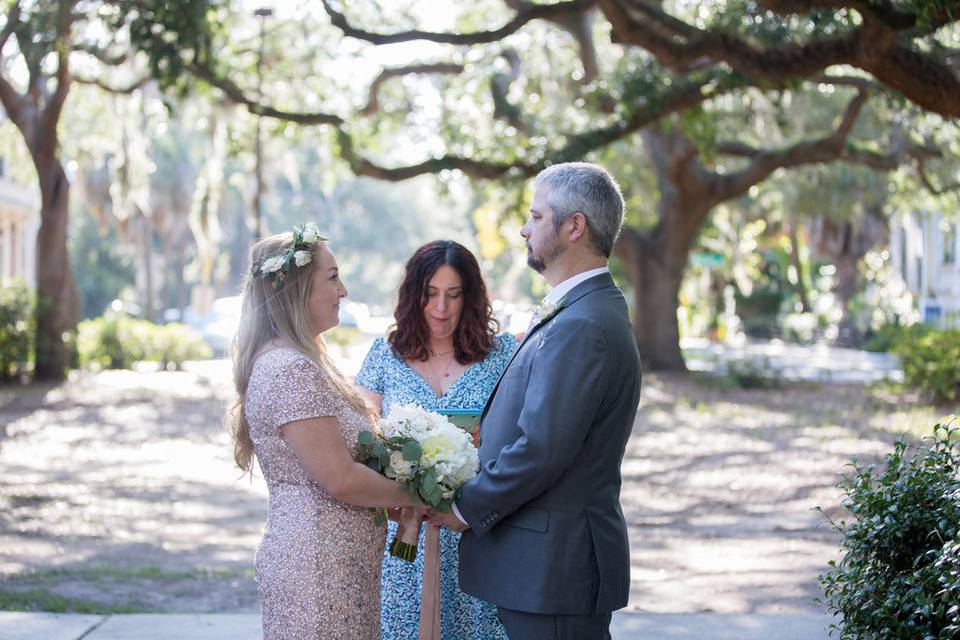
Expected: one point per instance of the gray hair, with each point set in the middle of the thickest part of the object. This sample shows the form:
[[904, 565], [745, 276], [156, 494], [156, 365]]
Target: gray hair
[[589, 189]]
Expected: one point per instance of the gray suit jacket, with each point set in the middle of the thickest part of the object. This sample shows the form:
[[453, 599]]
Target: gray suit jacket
[[547, 534]]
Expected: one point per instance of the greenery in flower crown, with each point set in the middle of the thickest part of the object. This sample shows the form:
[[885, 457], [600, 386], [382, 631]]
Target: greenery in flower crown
[[299, 254]]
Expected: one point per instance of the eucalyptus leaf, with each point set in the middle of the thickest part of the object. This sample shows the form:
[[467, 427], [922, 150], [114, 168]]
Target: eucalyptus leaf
[[412, 451]]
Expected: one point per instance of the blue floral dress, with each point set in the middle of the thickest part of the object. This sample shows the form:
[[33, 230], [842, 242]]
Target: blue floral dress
[[462, 617]]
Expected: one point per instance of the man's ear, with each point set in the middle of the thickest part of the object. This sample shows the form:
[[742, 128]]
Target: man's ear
[[578, 227]]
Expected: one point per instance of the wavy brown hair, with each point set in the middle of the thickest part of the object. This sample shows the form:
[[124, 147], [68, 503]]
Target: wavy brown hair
[[473, 338]]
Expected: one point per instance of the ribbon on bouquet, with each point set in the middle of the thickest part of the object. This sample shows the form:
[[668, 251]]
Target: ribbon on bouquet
[[430, 594]]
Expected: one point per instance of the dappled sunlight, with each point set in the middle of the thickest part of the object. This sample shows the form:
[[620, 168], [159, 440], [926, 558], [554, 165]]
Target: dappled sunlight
[[121, 486], [129, 469], [720, 486]]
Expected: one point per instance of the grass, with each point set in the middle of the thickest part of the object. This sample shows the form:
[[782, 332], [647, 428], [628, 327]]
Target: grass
[[48, 601], [107, 573], [34, 591]]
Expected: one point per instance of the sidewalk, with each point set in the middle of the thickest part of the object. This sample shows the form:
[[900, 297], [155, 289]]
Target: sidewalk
[[818, 363], [246, 626]]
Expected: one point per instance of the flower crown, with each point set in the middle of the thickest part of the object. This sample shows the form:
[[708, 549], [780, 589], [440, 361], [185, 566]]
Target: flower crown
[[299, 253]]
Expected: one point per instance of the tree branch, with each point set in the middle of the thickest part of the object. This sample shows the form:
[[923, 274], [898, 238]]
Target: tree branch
[[13, 19], [235, 94], [13, 102], [123, 90], [522, 17], [928, 184], [881, 10], [681, 96], [373, 103], [54, 107], [112, 60], [765, 162], [872, 46], [500, 89]]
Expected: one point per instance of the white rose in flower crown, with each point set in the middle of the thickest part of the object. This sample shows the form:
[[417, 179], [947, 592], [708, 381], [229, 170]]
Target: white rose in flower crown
[[272, 264], [302, 258], [310, 235]]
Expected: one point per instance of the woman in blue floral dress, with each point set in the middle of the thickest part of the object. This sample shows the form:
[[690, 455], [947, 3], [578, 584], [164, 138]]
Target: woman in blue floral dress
[[443, 353]]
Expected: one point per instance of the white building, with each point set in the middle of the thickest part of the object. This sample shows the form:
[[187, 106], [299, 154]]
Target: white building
[[19, 223], [925, 248]]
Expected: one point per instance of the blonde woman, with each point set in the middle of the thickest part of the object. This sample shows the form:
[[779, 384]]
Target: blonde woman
[[318, 564]]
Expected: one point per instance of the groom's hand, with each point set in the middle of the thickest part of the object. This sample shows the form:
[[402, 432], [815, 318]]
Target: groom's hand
[[447, 521]]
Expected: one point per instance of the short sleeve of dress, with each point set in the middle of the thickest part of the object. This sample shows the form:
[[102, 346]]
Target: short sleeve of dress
[[506, 344], [299, 390], [372, 373]]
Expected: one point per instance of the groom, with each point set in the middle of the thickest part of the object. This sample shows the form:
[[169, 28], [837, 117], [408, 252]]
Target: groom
[[544, 536]]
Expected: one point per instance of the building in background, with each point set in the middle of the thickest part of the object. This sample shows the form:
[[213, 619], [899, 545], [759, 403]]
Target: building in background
[[19, 223], [925, 248]]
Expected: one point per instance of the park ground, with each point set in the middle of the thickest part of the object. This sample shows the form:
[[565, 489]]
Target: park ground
[[118, 492]]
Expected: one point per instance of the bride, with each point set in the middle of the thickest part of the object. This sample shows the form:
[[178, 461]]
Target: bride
[[318, 564]]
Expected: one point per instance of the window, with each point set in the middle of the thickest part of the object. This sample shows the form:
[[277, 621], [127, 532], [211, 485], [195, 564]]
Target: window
[[950, 244]]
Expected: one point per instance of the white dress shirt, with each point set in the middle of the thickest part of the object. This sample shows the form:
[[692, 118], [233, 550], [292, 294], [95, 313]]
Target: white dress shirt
[[555, 295]]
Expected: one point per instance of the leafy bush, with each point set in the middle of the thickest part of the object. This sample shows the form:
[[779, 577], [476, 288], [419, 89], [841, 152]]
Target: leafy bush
[[753, 374], [899, 576], [931, 362], [17, 330], [176, 343], [342, 336], [887, 336], [116, 341]]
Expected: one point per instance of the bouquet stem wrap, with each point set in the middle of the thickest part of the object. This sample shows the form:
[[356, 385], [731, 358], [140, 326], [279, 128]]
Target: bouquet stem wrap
[[407, 538]]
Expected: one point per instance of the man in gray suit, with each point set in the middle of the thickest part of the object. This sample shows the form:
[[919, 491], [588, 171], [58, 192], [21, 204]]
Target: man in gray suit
[[544, 536]]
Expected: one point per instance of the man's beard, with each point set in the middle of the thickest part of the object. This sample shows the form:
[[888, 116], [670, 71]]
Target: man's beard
[[550, 253]]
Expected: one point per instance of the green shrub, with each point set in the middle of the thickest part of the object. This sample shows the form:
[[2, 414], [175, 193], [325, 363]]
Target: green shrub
[[887, 336], [17, 330], [176, 343], [753, 374], [342, 336], [899, 576], [116, 341], [931, 362]]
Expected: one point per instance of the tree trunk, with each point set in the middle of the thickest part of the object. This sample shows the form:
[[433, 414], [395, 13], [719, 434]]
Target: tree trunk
[[146, 253], [656, 272], [57, 300], [792, 225]]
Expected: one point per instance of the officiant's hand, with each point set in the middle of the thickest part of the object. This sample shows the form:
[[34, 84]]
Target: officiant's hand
[[447, 521]]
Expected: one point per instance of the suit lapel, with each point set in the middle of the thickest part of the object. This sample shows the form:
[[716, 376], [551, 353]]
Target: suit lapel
[[596, 283]]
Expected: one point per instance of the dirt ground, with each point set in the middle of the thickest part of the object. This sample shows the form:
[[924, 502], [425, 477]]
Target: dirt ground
[[117, 492]]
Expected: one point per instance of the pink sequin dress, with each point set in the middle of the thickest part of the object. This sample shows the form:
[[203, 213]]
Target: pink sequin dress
[[318, 564]]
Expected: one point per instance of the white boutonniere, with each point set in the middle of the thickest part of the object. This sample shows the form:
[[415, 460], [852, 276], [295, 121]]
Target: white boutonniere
[[546, 310]]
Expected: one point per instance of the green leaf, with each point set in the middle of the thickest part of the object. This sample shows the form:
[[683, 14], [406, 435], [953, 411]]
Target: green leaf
[[412, 451], [365, 438]]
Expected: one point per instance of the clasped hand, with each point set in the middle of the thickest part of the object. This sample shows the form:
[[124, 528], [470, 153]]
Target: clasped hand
[[421, 512]]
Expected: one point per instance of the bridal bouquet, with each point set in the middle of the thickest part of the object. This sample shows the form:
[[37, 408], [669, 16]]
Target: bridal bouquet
[[427, 454]]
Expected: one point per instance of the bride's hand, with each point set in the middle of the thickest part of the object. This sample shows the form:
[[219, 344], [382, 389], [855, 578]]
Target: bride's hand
[[424, 510]]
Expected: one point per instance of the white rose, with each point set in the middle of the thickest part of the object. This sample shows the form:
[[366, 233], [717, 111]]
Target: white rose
[[310, 235], [399, 469], [272, 264], [302, 258]]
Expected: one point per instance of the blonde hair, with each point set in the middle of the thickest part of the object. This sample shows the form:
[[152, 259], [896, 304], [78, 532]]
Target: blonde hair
[[270, 313]]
